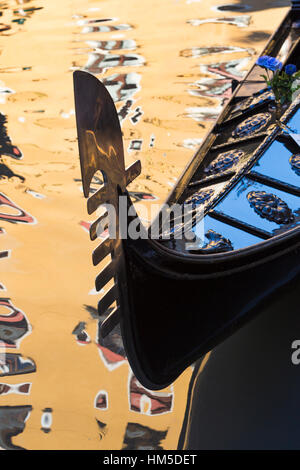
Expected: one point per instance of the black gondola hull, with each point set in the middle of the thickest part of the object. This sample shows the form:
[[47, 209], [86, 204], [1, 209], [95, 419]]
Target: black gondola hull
[[191, 306]]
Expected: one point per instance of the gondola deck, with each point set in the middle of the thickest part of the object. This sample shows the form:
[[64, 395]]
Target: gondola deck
[[249, 184], [244, 181]]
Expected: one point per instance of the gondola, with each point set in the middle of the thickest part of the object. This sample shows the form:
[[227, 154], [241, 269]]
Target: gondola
[[175, 299]]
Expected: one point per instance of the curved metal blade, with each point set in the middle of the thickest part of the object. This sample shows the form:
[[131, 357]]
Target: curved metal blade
[[96, 112]]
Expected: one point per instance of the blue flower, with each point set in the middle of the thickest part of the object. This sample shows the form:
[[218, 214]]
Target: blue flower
[[270, 63], [290, 69]]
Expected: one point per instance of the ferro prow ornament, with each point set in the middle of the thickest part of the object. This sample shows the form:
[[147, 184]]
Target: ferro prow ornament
[[101, 149]]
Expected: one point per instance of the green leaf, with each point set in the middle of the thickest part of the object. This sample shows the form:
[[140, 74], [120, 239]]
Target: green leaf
[[264, 77]]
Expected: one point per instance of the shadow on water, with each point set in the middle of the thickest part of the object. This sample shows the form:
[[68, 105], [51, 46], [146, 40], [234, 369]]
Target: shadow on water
[[256, 36], [253, 5]]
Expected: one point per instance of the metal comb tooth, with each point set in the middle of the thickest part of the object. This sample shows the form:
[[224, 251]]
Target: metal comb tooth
[[101, 149], [133, 171], [103, 221], [103, 250], [110, 322], [99, 197], [109, 298], [105, 275]]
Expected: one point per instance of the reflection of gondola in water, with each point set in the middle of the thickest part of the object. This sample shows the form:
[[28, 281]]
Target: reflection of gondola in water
[[176, 300]]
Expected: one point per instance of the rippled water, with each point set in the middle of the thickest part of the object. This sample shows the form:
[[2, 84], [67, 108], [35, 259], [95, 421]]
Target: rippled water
[[168, 66]]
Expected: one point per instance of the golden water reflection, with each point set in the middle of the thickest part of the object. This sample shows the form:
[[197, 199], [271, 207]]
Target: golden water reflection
[[168, 66]]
